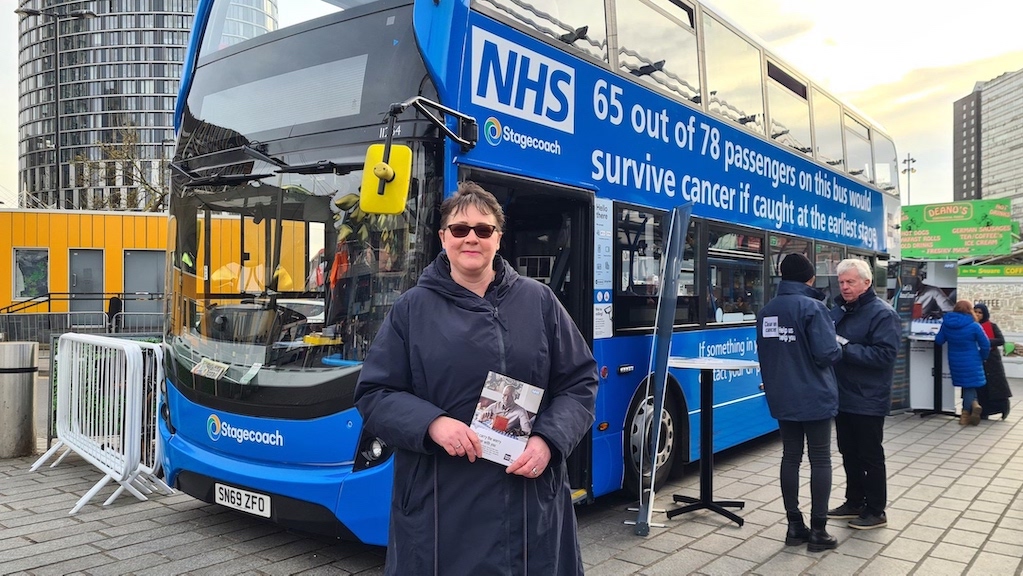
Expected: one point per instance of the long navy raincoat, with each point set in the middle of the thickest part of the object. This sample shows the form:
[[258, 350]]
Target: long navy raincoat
[[995, 394], [430, 358]]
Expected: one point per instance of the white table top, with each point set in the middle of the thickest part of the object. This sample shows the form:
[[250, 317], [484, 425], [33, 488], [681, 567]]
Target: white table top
[[715, 363]]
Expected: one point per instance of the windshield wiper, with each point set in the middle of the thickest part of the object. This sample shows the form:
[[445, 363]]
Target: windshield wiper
[[321, 167], [318, 167], [250, 151], [215, 179]]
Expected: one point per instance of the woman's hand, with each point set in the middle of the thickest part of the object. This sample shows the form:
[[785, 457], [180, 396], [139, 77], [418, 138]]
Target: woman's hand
[[534, 459], [455, 438]]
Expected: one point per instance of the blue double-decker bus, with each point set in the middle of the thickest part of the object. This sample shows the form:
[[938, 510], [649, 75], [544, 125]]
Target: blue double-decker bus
[[589, 120]]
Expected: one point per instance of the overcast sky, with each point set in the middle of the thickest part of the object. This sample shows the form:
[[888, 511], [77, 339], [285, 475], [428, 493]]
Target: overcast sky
[[901, 62]]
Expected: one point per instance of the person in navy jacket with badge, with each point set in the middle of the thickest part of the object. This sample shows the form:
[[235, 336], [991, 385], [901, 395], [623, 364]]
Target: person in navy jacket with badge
[[797, 346]]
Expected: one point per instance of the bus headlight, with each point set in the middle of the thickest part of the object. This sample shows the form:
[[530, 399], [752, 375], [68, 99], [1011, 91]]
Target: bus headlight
[[166, 415], [372, 452], [375, 451]]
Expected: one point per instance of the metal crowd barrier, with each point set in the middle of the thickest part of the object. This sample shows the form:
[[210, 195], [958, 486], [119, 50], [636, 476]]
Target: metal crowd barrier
[[107, 392], [137, 322], [40, 327]]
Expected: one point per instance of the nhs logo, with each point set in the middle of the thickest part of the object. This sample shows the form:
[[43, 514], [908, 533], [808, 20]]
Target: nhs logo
[[509, 78]]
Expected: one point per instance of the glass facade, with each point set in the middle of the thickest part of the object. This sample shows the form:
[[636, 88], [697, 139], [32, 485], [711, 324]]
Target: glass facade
[[1001, 139], [117, 75]]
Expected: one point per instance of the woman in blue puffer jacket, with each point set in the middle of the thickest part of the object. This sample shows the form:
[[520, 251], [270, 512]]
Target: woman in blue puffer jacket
[[968, 347]]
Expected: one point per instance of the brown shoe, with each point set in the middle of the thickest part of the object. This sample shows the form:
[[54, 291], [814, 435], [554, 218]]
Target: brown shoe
[[964, 417], [975, 414]]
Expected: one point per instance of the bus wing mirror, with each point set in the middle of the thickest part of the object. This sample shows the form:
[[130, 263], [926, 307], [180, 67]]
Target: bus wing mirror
[[385, 184]]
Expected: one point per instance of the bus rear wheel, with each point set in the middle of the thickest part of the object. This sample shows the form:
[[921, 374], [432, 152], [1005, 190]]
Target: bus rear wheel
[[638, 437]]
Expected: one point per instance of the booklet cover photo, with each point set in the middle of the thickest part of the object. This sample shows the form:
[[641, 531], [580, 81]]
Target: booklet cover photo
[[504, 416]]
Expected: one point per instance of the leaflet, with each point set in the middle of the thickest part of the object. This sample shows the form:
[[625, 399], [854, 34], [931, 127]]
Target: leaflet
[[504, 417]]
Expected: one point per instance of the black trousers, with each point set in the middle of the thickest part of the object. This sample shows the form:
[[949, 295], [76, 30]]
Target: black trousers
[[860, 441], [817, 435]]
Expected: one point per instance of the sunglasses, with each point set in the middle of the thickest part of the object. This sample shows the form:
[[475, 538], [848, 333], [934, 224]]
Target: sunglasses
[[462, 230]]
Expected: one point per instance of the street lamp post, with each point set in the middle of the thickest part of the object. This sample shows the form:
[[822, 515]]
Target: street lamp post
[[165, 176], [55, 18], [908, 171]]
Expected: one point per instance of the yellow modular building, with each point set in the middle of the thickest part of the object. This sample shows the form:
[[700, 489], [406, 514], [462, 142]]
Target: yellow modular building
[[75, 261], [81, 258]]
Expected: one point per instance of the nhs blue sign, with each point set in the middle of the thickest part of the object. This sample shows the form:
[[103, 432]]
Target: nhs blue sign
[[519, 82]]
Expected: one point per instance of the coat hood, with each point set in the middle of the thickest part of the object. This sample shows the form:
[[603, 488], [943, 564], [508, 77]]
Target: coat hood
[[793, 287], [437, 278], [862, 300], [957, 320]]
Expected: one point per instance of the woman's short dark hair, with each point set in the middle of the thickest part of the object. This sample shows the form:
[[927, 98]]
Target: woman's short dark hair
[[472, 194]]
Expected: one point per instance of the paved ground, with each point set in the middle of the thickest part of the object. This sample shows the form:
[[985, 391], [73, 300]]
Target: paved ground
[[956, 507]]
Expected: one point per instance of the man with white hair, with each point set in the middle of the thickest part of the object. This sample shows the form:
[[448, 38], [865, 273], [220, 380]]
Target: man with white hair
[[869, 331]]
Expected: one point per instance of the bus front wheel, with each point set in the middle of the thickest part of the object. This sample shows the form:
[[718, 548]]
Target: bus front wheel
[[638, 438]]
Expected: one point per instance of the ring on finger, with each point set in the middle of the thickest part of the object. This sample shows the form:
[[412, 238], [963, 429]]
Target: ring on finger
[[535, 472]]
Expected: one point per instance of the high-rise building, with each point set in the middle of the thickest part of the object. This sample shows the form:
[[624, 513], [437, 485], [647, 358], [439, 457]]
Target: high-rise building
[[966, 147], [988, 142], [97, 82]]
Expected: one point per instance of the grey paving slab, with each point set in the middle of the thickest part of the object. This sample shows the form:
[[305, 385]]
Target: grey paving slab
[[987, 563], [889, 566], [728, 566], [956, 507], [613, 567]]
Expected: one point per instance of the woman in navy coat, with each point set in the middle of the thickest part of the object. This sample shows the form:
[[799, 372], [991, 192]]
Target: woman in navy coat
[[453, 512], [968, 347]]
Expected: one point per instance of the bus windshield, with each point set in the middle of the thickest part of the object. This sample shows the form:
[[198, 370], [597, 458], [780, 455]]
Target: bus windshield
[[280, 280], [281, 274]]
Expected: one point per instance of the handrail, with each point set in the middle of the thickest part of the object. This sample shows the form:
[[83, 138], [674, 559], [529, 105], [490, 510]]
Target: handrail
[[25, 304], [50, 297]]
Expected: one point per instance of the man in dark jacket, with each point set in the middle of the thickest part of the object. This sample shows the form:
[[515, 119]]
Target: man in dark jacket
[[869, 330], [796, 345]]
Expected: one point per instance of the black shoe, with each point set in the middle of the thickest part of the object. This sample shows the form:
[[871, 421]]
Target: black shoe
[[797, 533], [868, 521], [846, 510], [820, 540], [1005, 412]]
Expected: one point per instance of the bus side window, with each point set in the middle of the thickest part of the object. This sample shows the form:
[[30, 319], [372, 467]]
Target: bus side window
[[736, 262], [576, 23], [778, 247], [827, 258], [638, 261]]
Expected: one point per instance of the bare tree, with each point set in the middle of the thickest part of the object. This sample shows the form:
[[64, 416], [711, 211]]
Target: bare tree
[[124, 163]]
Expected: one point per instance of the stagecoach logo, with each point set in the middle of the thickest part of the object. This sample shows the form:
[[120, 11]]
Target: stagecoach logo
[[492, 130], [522, 83], [495, 134], [215, 428]]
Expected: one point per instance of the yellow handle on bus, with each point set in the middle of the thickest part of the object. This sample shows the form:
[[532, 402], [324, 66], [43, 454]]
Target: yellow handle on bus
[[396, 174], [384, 172]]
